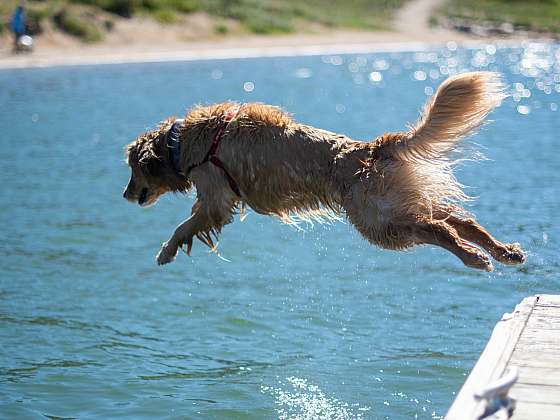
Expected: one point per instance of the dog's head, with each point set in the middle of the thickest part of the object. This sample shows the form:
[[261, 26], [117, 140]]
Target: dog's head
[[151, 172]]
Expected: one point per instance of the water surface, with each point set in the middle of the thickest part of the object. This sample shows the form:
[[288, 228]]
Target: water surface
[[315, 324]]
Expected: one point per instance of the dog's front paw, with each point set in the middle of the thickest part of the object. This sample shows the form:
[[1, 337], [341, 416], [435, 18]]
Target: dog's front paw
[[167, 253]]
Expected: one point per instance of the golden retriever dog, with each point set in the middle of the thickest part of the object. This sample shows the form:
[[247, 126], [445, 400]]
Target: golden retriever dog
[[397, 190]]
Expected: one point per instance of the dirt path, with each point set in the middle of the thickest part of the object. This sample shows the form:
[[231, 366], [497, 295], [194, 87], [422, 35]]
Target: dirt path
[[413, 20]]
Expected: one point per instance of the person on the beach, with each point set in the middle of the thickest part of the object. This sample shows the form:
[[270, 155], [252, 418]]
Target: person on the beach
[[17, 24]]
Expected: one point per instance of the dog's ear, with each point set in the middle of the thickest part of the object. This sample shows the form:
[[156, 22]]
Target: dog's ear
[[151, 163]]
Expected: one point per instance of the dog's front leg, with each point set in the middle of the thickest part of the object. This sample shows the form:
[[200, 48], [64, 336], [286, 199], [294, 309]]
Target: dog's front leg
[[183, 233]]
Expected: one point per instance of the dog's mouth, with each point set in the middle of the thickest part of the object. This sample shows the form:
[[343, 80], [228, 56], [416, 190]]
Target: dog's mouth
[[143, 197]]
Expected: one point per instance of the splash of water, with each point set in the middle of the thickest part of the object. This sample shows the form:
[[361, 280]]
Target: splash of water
[[296, 399]]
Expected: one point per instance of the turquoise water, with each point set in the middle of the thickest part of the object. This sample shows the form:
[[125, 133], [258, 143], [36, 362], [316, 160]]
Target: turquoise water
[[312, 324]]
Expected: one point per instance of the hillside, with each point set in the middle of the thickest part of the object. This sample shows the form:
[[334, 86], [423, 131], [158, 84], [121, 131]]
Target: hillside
[[92, 21]]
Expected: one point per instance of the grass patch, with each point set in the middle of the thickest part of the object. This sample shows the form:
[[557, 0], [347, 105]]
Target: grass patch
[[221, 29], [281, 16], [124, 8], [536, 15], [184, 6], [165, 16], [74, 23]]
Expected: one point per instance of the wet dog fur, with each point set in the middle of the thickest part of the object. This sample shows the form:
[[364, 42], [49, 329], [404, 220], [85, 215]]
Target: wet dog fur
[[397, 190]]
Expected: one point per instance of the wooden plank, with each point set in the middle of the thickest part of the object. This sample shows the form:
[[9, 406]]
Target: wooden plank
[[531, 411], [492, 362], [547, 312], [543, 322], [553, 300], [536, 346], [532, 335], [543, 394], [539, 375], [526, 360]]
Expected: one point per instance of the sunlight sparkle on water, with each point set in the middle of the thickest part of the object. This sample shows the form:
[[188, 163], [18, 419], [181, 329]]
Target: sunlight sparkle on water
[[297, 399]]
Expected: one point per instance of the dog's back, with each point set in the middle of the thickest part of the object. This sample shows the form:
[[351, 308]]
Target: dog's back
[[282, 168]]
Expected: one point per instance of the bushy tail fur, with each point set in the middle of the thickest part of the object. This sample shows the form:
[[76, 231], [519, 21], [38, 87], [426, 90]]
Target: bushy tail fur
[[456, 110], [423, 181]]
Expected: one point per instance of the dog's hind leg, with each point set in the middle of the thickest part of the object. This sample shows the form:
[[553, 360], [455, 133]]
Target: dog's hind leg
[[471, 231], [442, 234]]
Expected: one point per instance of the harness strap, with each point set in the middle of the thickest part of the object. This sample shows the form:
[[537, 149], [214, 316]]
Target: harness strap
[[231, 181], [211, 157]]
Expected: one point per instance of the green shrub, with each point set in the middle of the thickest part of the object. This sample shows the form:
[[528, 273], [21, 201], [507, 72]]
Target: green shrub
[[35, 17], [124, 8], [72, 23], [221, 29], [269, 25], [184, 6], [152, 5], [259, 17], [165, 16]]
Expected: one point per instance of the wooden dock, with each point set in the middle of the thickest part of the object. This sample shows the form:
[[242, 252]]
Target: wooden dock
[[526, 341]]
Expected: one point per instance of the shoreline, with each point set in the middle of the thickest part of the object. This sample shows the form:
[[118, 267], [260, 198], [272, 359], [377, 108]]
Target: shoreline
[[141, 40], [225, 51]]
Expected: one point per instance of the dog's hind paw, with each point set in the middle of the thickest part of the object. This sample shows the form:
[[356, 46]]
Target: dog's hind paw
[[167, 253], [513, 254]]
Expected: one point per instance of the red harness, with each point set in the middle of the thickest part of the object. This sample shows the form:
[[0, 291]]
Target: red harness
[[211, 155]]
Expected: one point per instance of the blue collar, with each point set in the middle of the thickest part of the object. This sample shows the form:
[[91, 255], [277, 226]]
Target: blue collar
[[173, 143]]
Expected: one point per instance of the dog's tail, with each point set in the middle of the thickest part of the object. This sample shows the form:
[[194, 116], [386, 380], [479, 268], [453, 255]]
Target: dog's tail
[[456, 110]]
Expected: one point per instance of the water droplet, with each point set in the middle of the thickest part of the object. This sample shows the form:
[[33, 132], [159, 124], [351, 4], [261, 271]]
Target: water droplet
[[336, 60], [523, 109], [553, 107], [216, 74], [340, 108], [375, 76], [303, 73], [428, 90], [359, 79], [248, 86], [381, 65], [420, 75], [35, 118]]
